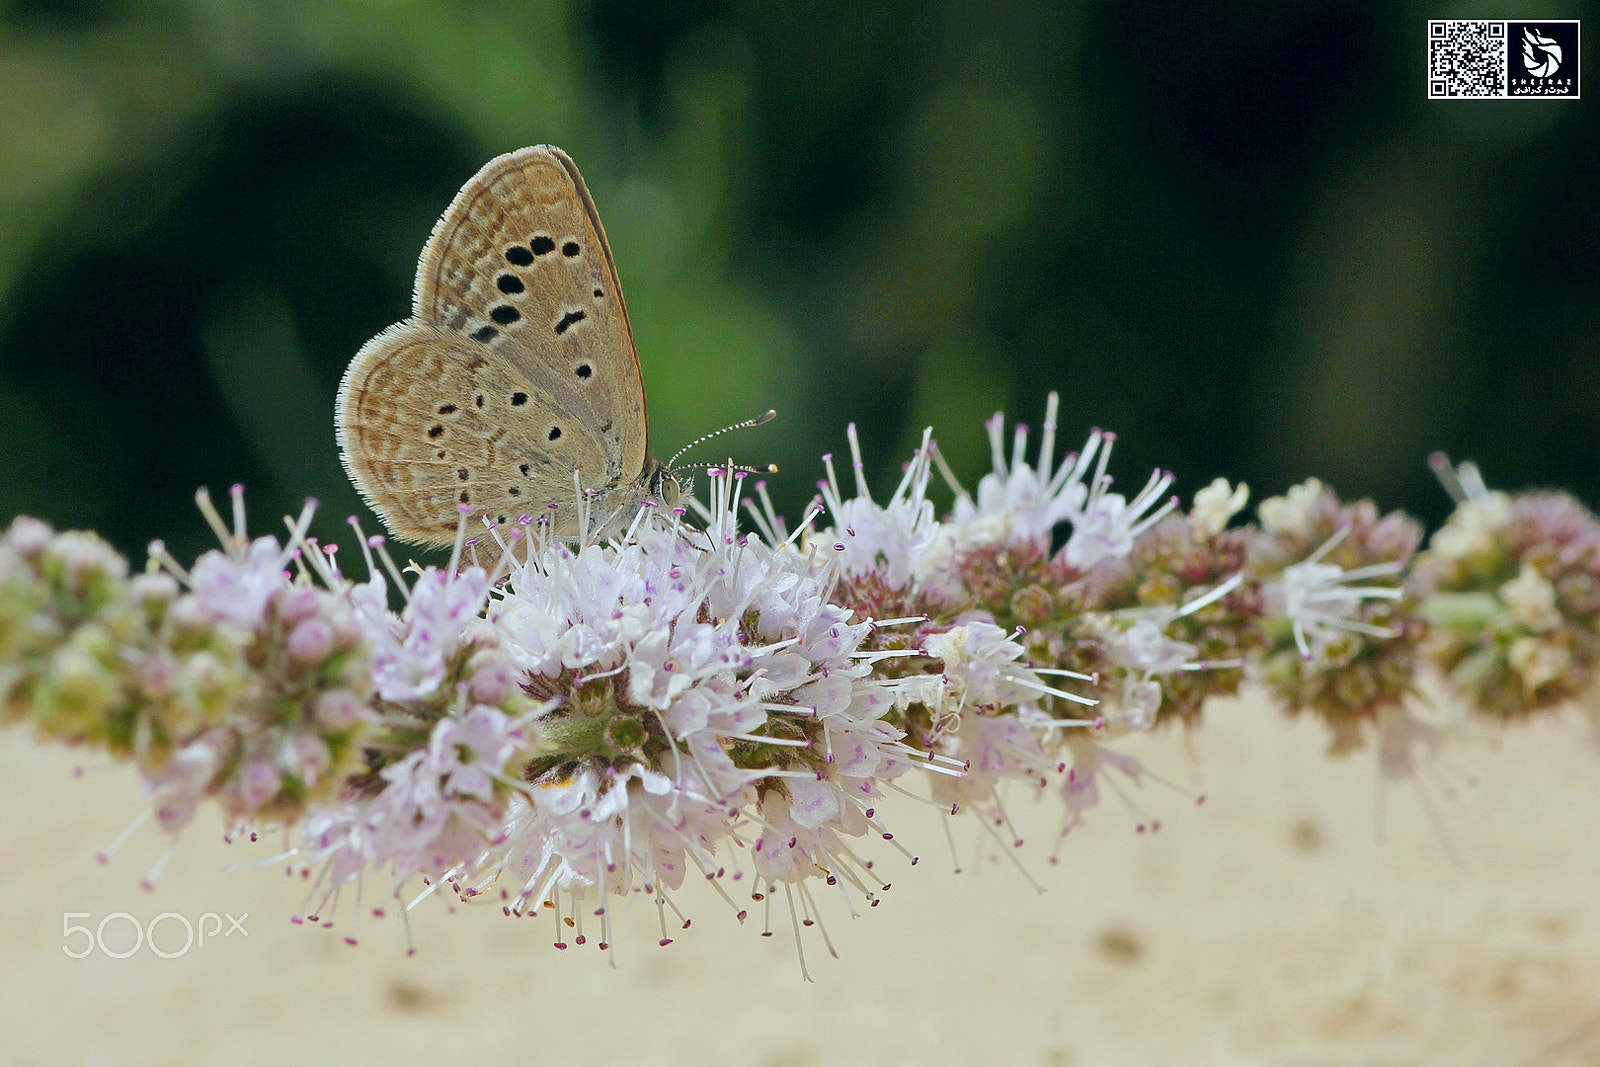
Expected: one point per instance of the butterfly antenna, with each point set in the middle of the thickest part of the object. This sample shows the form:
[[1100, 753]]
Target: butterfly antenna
[[759, 420], [769, 468]]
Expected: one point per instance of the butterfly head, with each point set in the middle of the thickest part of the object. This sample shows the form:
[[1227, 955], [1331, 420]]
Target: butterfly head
[[665, 486]]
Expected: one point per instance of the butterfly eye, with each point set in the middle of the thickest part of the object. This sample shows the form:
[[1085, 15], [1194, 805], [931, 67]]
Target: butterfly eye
[[665, 488]]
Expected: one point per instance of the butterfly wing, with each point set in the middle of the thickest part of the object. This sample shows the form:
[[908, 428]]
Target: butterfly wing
[[516, 369]]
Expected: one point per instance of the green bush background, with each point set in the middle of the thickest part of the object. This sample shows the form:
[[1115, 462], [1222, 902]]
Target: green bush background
[[1238, 234]]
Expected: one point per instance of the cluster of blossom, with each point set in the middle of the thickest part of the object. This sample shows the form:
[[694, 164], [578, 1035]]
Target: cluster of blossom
[[586, 721]]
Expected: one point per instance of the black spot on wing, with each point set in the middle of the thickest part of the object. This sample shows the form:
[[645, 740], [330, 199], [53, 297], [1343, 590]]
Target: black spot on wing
[[568, 320]]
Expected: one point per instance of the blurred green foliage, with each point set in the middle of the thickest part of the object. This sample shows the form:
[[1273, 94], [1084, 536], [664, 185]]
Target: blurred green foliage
[[1239, 234]]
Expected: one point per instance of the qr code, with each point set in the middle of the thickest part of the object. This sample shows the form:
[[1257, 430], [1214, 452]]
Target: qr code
[[1489, 60], [1467, 58]]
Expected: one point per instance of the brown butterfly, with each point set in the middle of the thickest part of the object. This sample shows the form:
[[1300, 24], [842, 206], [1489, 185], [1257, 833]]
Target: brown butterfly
[[515, 384]]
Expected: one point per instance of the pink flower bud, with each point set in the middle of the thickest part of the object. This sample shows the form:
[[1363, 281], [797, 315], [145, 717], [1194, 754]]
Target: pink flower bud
[[311, 641], [492, 683], [28, 537], [258, 783], [153, 588], [306, 756], [189, 613], [337, 709], [295, 604], [159, 674]]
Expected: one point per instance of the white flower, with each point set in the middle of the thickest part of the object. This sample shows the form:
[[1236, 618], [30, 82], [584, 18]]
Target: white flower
[[235, 587], [1145, 647], [1531, 600], [1473, 528], [1318, 602], [1291, 513], [1023, 502], [177, 790], [1538, 661], [887, 539], [981, 668], [441, 616], [1020, 500], [1106, 524], [337, 839], [996, 748], [1216, 504], [470, 752], [597, 831], [675, 653], [1141, 700], [1146, 651], [432, 815], [1090, 761]]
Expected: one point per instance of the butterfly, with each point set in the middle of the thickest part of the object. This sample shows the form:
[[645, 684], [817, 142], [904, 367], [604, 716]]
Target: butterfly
[[514, 388]]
